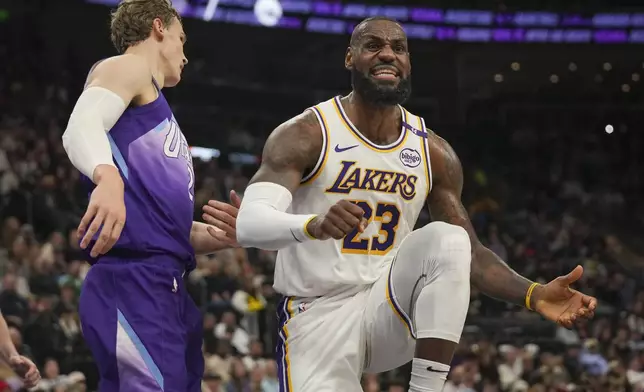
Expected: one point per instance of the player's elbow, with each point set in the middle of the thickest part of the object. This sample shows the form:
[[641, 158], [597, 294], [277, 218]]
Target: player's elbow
[[70, 137], [65, 140]]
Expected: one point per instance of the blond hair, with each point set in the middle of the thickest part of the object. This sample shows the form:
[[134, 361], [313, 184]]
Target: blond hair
[[132, 21]]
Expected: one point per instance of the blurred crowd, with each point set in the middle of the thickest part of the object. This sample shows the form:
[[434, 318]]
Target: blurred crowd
[[544, 193]]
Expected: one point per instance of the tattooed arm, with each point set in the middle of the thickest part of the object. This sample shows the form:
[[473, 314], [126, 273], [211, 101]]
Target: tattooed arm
[[490, 274], [290, 151]]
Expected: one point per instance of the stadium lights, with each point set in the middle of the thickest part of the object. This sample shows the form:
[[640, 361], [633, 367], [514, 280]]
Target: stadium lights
[[609, 129], [210, 10], [268, 12]]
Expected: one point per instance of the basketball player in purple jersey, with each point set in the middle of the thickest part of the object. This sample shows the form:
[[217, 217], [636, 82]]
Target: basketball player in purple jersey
[[143, 329]]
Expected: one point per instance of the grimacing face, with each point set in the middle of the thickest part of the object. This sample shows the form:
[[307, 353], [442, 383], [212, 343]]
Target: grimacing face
[[172, 39], [378, 59]]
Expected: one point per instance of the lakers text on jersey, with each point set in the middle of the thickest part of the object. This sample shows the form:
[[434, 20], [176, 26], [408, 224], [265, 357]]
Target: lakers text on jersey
[[390, 183]]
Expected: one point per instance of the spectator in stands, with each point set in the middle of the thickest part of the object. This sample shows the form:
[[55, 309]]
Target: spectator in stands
[[229, 330], [270, 382], [16, 339], [249, 302], [11, 303], [213, 383], [239, 380], [255, 355], [511, 367], [220, 362], [52, 379]]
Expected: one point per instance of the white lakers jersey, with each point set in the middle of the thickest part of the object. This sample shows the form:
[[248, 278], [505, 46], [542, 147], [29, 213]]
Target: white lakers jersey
[[390, 183]]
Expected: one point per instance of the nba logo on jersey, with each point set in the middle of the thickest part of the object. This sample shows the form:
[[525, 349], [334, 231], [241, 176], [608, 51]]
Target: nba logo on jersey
[[301, 307], [410, 158]]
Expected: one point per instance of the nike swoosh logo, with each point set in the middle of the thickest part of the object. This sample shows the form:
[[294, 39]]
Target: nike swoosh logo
[[431, 369], [340, 149]]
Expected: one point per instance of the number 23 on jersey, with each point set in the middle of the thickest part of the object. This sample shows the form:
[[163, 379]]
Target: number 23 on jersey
[[388, 216]]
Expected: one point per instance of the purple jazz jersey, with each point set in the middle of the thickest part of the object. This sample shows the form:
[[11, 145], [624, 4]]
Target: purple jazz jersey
[[155, 162], [141, 325]]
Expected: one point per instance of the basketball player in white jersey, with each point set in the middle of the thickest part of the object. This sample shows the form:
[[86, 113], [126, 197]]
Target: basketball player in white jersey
[[338, 194]]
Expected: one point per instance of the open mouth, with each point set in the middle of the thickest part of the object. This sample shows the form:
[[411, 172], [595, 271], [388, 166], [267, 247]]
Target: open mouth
[[385, 73]]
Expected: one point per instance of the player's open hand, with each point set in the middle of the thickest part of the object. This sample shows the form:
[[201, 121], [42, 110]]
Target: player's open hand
[[105, 213], [25, 369], [340, 220], [557, 302], [222, 218]]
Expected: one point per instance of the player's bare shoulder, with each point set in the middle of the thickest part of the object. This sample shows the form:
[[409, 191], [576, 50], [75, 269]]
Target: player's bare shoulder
[[127, 75], [291, 149]]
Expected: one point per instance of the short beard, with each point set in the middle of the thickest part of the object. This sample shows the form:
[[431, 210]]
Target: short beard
[[380, 95]]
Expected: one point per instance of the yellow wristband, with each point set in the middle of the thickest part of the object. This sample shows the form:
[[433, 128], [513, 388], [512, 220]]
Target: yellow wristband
[[529, 294], [306, 231]]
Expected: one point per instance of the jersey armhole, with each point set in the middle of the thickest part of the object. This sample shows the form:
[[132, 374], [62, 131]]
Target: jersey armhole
[[319, 165], [425, 141]]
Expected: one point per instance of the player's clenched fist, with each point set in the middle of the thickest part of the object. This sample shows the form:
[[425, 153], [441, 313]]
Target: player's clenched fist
[[342, 218]]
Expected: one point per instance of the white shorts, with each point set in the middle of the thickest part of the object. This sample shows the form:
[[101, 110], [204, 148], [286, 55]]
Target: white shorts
[[326, 343]]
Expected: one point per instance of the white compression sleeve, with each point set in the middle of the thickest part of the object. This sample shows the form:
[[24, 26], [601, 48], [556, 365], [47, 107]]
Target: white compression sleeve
[[85, 139], [262, 221]]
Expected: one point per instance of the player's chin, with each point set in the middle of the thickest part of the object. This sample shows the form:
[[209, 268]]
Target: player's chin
[[172, 80]]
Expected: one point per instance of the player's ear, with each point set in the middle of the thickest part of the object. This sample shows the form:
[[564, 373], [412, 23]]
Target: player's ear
[[348, 59], [158, 28]]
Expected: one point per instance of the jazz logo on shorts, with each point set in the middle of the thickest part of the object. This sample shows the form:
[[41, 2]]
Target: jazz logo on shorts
[[409, 157]]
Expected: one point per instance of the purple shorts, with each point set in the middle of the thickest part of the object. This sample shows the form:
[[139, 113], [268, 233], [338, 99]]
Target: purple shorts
[[143, 329]]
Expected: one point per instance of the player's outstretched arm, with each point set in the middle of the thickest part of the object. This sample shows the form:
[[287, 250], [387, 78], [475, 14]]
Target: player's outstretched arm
[[111, 87], [291, 150], [490, 274]]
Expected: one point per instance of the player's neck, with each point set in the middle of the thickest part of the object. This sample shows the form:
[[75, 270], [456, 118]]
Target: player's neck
[[151, 53], [380, 124]]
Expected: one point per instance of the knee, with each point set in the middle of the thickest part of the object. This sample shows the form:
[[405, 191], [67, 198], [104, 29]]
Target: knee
[[448, 246], [445, 236]]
